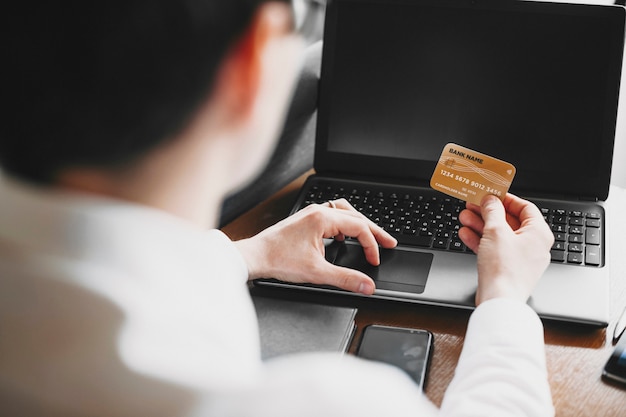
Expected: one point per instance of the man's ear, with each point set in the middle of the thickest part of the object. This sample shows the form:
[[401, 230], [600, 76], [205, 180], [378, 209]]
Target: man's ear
[[239, 78]]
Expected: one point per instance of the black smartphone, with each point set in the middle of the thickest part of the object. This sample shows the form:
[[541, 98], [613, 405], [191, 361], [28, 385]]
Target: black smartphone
[[408, 349], [615, 367]]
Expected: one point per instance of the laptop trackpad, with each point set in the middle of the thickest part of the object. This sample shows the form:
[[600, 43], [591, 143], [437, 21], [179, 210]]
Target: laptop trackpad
[[399, 269]]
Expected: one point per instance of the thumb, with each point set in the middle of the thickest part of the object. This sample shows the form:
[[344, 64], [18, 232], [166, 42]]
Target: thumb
[[347, 279], [492, 211]]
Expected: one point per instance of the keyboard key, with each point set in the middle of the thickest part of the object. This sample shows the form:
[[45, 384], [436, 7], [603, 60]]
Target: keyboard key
[[424, 231], [592, 236], [576, 230], [444, 234], [576, 221], [557, 255], [423, 241], [593, 223], [575, 239], [457, 245], [440, 243], [575, 247], [592, 255], [575, 258]]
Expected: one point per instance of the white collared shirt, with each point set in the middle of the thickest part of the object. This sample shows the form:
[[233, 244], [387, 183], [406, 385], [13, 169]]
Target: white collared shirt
[[109, 308]]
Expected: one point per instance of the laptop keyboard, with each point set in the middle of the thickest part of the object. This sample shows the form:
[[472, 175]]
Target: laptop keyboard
[[428, 219], [577, 235]]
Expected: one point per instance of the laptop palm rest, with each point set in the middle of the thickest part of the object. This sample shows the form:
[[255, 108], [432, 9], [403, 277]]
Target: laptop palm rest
[[400, 269]]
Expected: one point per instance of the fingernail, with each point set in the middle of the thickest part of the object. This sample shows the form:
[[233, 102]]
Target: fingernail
[[366, 288]]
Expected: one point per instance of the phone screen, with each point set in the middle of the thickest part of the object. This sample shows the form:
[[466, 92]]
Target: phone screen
[[616, 366], [408, 349]]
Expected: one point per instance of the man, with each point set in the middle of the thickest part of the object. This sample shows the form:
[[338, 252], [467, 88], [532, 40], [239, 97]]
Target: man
[[129, 123]]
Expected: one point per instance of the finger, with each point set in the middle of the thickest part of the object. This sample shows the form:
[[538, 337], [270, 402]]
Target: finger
[[470, 238], [371, 247], [382, 237], [531, 218], [475, 222], [347, 208], [513, 221], [473, 207], [343, 204], [344, 278], [528, 216], [339, 222], [493, 212], [469, 218], [511, 218], [520, 208], [332, 204]]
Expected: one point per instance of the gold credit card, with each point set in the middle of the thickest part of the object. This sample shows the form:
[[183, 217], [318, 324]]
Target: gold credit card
[[469, 175]]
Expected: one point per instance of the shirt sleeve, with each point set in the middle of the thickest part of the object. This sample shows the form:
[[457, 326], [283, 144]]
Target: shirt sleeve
[[501, 372], [502, 368], [322, 384]]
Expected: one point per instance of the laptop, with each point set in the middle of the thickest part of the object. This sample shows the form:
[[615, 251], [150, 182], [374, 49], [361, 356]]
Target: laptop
[[533, 83]]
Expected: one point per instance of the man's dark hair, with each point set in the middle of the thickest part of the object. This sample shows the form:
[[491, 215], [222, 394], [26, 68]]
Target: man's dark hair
[[99, 83]]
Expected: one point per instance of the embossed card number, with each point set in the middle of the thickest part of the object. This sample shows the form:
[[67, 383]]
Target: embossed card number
[[469, 175]]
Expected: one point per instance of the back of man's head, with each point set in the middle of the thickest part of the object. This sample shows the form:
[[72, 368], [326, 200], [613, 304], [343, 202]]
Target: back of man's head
[[99, 83]]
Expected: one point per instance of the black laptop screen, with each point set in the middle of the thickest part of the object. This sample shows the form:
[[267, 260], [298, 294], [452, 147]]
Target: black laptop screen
[[535, 84]]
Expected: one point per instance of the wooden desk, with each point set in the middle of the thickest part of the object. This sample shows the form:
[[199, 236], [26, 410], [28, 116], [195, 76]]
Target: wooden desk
[[575, 355]]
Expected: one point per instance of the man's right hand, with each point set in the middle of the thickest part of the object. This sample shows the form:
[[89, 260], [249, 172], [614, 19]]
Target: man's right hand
[[512, 242]]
